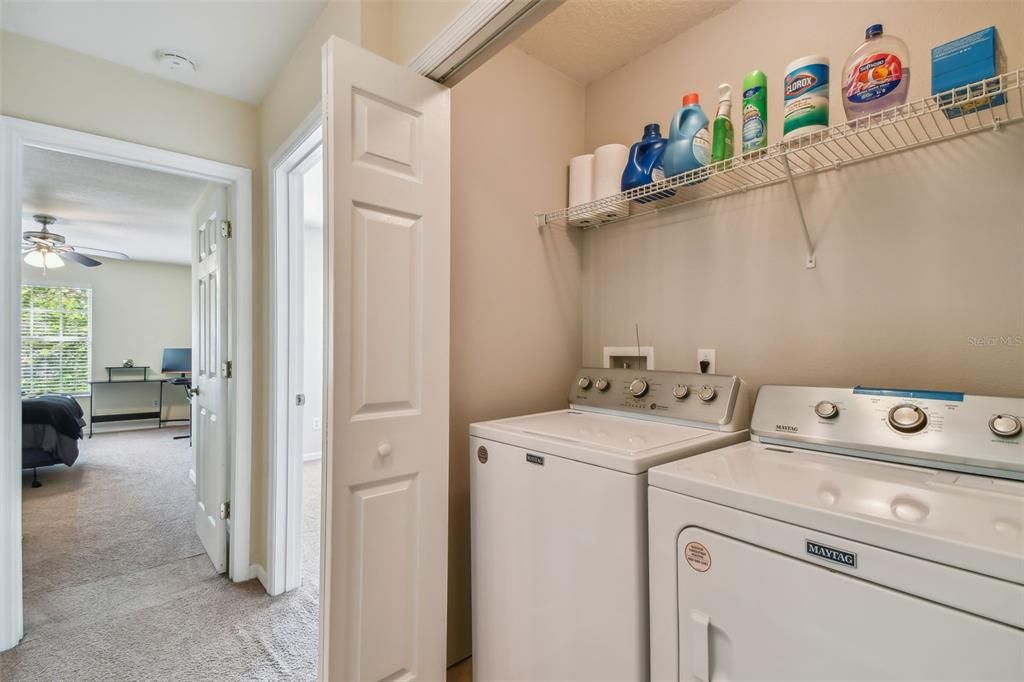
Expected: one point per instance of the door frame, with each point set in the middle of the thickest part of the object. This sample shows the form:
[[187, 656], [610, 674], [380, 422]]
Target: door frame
[[15, 135], [284, 540]]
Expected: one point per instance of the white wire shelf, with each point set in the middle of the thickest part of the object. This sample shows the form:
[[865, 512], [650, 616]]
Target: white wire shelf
[[908, 126]]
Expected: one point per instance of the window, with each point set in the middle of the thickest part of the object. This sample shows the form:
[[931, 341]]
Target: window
[[56, 325]]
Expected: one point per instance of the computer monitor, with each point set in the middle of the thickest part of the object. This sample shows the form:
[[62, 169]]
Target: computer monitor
[[177, 361]]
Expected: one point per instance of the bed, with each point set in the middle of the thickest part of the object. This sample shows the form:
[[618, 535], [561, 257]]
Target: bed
[[51, 426]]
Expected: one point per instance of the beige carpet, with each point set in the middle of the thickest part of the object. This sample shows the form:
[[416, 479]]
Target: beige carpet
[[117, 586]]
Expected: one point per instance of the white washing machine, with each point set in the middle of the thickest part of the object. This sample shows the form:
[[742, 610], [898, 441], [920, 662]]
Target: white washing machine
[[861, 534], [559, 520]]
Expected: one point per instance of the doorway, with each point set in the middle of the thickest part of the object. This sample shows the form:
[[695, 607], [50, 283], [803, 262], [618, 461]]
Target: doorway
[[297, 198], [17, 137]]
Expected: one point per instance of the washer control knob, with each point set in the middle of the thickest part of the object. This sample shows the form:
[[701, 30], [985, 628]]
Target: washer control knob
[[907, 418], [707, 393], [681, 391], [584, 383], [602, 384], [826, 409], [638, 387], [1005, 425]]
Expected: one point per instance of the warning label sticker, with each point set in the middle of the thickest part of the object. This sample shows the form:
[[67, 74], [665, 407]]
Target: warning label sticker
[[698, 556]]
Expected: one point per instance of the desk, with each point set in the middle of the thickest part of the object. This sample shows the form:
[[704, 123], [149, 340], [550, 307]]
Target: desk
[[126, 416]]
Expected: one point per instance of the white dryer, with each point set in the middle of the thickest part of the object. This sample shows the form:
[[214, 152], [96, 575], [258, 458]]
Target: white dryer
[[559, 520], [861, 534]]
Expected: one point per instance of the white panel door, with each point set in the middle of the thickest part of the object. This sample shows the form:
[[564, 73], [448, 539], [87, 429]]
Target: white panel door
[[209, 402], [387, 158]]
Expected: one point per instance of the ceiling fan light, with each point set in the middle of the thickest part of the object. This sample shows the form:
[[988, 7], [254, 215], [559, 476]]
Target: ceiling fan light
[[34, 258], [52, 260]]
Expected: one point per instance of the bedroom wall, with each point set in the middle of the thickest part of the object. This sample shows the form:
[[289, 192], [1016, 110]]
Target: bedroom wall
[[138, 309]]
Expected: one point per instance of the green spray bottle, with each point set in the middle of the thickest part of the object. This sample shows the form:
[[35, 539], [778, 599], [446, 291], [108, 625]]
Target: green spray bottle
[[722, 133], [755, 111]]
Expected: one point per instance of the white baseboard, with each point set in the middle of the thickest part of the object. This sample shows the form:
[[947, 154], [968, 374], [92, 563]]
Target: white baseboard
[[192, 476], [310, 456], [261, 575]]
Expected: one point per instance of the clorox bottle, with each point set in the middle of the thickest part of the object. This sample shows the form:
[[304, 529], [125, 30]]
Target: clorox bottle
[[689, 143]]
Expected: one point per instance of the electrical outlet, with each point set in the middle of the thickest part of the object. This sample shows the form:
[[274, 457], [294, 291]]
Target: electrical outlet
[[709, 355], [316, 423]]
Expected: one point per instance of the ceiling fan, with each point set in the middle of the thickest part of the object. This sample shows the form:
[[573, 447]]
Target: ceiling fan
[[45, 249]]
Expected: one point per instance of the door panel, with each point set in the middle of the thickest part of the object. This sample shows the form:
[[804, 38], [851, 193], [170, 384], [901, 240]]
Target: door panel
[[386, 151], [209, 407], [747, 613]]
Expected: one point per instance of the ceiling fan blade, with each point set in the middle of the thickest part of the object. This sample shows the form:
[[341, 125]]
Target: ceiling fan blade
[[102, 253], [80, 259]]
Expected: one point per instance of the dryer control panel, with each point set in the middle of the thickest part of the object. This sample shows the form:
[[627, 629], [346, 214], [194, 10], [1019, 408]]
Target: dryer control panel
[[711, 400], [937, 429]]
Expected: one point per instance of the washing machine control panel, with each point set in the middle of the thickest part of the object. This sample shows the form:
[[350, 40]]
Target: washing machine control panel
[[938, 429], [712, 399]]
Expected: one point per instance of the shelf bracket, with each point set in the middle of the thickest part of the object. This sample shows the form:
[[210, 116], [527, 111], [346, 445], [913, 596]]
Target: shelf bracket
[[541, 218], [810, 262]]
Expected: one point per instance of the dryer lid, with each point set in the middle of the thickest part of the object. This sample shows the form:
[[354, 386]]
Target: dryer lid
[[972, 522], [625, 444]]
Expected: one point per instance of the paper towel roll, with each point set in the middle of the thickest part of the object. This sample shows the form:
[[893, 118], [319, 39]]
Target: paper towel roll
[[581, 188], [609, 162], [581, 179]]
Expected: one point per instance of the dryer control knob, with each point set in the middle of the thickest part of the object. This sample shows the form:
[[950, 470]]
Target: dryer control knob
[[681, 391], [707, 393], [826, 409], [602, 384], [1005, 425], [584, 383], [907, 418], [638, 387]]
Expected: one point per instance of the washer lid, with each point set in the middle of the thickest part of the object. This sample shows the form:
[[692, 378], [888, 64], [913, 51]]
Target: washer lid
[[625, 444], [971, 522]]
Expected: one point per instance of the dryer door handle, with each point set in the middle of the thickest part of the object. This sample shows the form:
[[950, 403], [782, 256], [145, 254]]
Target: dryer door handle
[[700, 645]]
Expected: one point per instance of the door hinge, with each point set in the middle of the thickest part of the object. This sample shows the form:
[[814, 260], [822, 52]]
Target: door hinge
[[225, 369], [225, 510], [225, 229], [300, 399]]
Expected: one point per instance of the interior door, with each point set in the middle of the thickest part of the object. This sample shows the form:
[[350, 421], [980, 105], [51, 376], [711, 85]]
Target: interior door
[[209, 400], [387, 159]]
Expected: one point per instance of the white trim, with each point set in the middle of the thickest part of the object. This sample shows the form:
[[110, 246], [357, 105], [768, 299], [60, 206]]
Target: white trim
[[311, 456], [192, 475], [15, 134], [479, 31], [285, 491]]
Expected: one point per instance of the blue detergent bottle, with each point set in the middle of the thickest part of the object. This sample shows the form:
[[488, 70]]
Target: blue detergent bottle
[[644, 164], [689, 142]]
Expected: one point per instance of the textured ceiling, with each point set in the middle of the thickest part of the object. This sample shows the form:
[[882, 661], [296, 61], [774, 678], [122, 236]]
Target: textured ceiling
[[143, 213], [239, 45], [587, 39]]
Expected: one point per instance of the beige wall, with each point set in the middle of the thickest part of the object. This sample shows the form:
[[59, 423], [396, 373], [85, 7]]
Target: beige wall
[[515, 289], [415, 23], [138, 309], [49, 84], [917, 253]]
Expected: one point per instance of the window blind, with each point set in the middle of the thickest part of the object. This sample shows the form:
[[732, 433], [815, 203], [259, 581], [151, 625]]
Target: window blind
[[56, 343]]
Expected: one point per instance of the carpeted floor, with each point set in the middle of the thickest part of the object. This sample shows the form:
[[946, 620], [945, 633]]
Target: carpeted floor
[[117, 586]]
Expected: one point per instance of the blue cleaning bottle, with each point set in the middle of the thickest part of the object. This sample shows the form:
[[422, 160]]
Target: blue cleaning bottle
[[644, 164], [689, 143]]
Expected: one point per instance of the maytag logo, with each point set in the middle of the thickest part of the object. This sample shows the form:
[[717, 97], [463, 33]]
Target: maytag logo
[[836, 556], [786, 427], [534, 459]]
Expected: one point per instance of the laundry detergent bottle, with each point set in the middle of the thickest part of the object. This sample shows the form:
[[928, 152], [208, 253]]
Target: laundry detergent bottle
[[877, 74], [644, 164], [689, 143]]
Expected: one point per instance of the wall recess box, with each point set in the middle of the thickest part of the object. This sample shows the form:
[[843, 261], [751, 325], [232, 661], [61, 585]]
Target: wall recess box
[[629, 357]]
